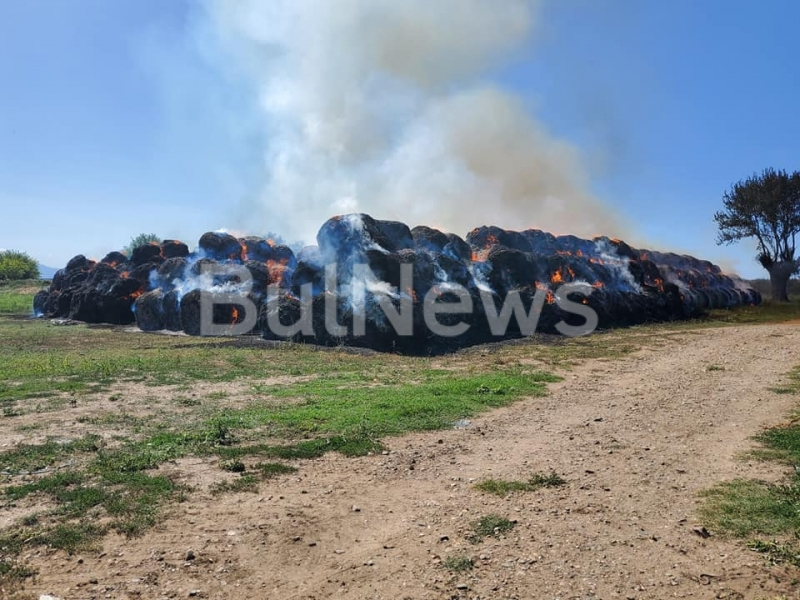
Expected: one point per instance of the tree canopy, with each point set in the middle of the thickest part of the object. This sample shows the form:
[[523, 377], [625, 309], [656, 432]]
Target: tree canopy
[[141, 240], [765, 207], [16, 265]]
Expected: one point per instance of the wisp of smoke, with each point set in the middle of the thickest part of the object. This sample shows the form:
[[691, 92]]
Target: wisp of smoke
[[388, 108]]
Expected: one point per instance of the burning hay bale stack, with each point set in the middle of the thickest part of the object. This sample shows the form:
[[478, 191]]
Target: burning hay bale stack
[[104, 291], [375, 283]]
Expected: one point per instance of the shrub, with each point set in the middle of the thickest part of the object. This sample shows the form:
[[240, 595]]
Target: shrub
[[17, 265], [141, 240]]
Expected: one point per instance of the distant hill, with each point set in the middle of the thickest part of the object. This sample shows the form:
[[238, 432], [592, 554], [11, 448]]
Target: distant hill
[[46, 272]]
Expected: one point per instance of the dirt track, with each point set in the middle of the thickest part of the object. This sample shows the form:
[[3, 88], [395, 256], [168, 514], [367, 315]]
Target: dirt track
[[636, 438]]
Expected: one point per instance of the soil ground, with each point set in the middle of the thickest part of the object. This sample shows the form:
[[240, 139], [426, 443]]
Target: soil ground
[[636, 438]]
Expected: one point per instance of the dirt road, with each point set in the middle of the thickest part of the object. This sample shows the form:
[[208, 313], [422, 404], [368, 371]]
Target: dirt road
[[636, 438]]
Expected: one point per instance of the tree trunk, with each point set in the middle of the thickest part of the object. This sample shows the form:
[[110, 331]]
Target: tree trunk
[[779, 274]]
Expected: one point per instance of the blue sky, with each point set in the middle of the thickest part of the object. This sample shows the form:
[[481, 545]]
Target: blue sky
[[112, 117]]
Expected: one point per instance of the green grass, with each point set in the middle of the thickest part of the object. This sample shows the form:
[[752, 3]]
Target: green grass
[[766, 312], [130, 500], [16, 297], [745, 507], [792, 386], [342, 405], [327, 401], [765, 514], [335, 417], [248, 481], [27, 458], [489, 526], [185, 401], [38, 359], [99, 486], [70, 537], [270, 470], [501, 487], [458, 563], [308, 449], [11, 572], [245, 483], [233, 466], [777, 552], [780, 444], [16, 304]]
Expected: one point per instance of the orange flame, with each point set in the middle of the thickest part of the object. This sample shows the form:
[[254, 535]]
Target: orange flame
[[557, 277], [481, 255], [542, 287], [277, 270]]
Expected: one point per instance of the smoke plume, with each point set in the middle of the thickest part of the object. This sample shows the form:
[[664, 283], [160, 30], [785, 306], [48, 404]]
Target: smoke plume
[[388, 107]]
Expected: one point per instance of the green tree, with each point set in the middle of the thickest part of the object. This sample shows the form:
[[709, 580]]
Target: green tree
[[17, 265], [141, 240], [765, 207]]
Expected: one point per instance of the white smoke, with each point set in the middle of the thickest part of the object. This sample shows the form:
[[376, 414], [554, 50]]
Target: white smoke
[[386, 107], [619, 265]]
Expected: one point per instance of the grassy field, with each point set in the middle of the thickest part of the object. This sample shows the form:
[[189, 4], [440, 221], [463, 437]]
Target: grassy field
[[767, 312], [765, 514], [258, 409], [16, 297], [292, 403]]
